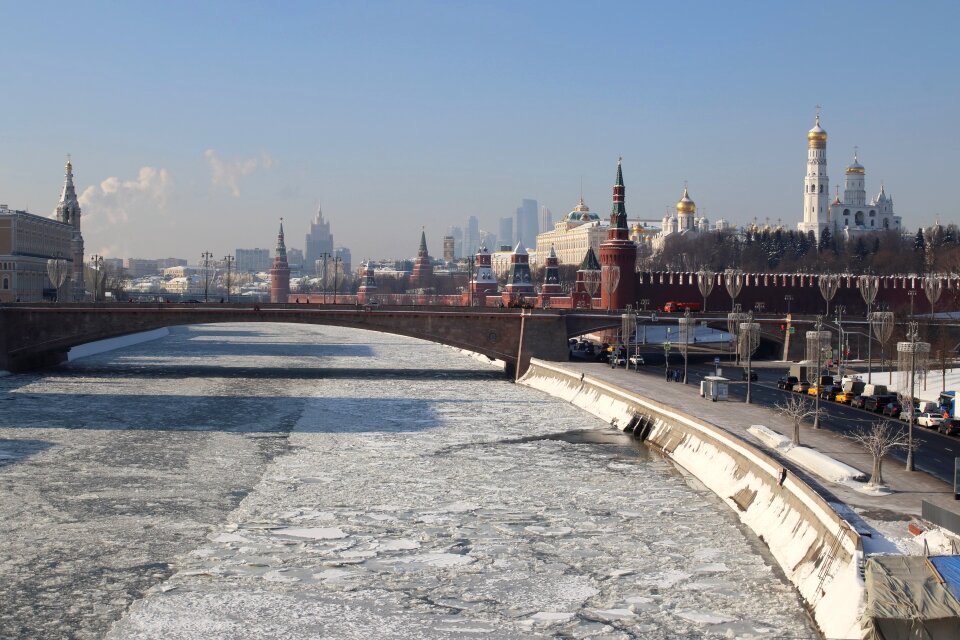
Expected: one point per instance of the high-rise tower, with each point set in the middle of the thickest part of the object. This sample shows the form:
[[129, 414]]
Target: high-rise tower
[[68, 212], [618, 253], [318, 241], [280, 273], [816, 185]]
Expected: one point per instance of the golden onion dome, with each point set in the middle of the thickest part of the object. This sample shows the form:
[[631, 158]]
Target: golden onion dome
[[685, 204], [817, 134], [855, 166]]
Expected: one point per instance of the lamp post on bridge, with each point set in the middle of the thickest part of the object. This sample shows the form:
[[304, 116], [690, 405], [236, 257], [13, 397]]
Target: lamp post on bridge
[[228, 259], [96, 265], [336, 269], [206, 255], [323, 278]]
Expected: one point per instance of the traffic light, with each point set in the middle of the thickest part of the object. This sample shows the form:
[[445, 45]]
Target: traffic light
[[783, 327]]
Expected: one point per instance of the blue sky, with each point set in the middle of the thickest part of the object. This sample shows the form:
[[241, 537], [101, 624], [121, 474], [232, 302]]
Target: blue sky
[[195, 126]]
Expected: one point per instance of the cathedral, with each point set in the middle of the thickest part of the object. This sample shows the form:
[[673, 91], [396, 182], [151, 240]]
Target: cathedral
[[851, 215], [684, 222]]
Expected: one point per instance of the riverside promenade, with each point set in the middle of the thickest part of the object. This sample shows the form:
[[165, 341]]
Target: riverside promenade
[[886, 515]]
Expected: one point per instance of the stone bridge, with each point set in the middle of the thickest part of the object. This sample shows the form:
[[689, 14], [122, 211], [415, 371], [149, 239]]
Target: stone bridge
[[37, 335]]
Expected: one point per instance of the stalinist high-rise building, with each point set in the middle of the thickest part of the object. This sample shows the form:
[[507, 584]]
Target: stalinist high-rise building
[[816, 185], [319, 241]]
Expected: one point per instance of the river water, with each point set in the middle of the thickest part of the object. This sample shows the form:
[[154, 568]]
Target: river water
[[287, 481]]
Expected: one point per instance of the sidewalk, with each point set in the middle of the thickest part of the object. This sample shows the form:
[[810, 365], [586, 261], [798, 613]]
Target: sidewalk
[[910, 488]]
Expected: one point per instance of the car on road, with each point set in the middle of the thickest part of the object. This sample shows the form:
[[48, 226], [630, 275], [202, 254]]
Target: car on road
[[950, 427], [617, 361], [831, 393], [891, 409], [928, 419], [753, 375], [813, 390], [637, 361], [877, 403], [801, 387], [845, 397], [857, 402], [787, 382]]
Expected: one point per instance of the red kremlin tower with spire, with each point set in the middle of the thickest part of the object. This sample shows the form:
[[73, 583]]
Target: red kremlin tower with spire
[[280, 272], [368, 284], [484, 283], [422, 276], [618, 251]]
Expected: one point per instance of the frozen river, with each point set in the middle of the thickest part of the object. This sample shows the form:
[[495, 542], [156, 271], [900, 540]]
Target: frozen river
[[287, 481]]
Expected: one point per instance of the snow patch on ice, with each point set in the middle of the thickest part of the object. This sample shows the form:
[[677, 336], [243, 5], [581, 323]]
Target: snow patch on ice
[[312, 533], [704, 617]]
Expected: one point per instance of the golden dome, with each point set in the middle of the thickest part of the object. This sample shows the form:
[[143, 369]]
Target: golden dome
[[685, 204], [855, 167], [817, 134]]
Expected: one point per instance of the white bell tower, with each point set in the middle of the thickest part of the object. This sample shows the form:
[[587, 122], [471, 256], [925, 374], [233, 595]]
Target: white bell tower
[[816, 185]]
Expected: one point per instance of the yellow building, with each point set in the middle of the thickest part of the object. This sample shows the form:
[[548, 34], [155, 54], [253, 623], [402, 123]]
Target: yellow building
[[578, 231]]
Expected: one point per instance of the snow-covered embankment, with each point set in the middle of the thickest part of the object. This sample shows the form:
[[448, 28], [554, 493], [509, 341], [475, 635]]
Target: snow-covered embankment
[[819, 552]]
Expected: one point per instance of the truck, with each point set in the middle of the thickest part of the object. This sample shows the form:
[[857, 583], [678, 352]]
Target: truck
[[677, 307], [948, 404], [870, 390], [849, 389], [800, 370]]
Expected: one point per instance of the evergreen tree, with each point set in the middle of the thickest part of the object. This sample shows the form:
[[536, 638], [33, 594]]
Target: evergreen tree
[[876, 246], [919, 243], [826, 240]]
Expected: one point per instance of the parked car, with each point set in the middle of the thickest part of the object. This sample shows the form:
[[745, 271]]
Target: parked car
[[950, 427], [801, 387], [857, 402], [617, 361], [831, 392], [637, 361], [928, 419], [877, 403], [787, 383], [891, 409], [844, 397], [813, 390], [753, 375]]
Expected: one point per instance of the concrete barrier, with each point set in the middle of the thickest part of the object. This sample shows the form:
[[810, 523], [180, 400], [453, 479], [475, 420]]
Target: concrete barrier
[[820, 552]]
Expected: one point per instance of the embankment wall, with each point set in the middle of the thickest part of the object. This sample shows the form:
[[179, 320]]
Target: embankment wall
[[820, 553]]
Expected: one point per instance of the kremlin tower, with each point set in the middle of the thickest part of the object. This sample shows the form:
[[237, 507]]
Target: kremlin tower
[[484, 283], [519, 280], [582, 296], [618, 251], [68, 212], [551, 278], [422, 276], [368, 284], [280, 272]]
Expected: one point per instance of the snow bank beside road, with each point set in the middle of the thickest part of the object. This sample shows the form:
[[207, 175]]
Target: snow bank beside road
[[812, 460]]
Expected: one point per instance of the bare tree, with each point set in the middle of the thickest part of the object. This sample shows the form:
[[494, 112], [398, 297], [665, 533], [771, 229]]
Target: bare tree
[[797, 409], [879, 440]]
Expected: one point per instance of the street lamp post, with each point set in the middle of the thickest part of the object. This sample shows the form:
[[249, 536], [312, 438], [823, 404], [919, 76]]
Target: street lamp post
[[323, 279], [913, 294], [666, 359], [918, 357], [759, 307], [229, 260], [839, 308], [788, 299], [206, 255], [96, 265], [336, 268], [816, 409]]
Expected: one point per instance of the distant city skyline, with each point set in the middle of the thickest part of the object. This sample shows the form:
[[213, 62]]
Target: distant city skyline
[[400, 117]]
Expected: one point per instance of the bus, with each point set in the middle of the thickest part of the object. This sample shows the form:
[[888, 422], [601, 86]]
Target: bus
[[677, 307]]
